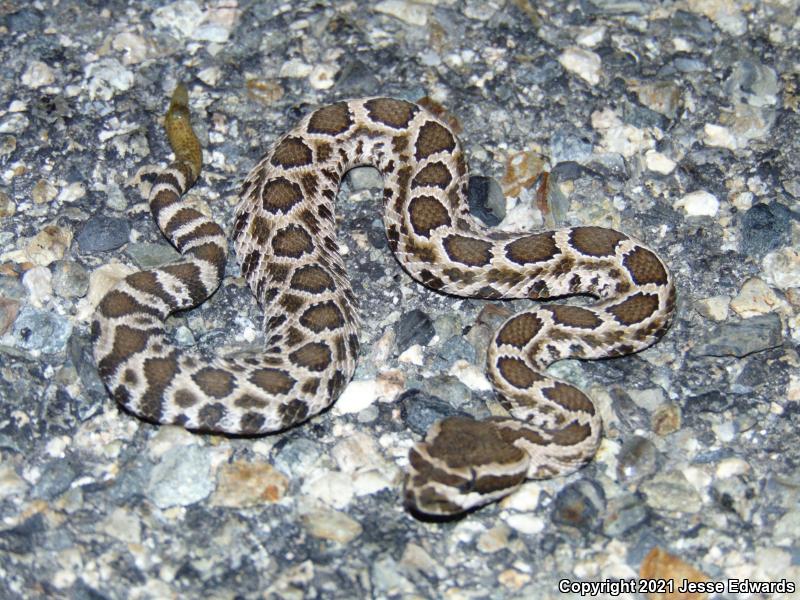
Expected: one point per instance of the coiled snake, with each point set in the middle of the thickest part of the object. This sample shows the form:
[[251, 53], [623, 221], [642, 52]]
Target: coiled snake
[[284, 236]]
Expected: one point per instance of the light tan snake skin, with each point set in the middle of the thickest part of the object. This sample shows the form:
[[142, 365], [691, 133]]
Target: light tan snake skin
[[284, 236]]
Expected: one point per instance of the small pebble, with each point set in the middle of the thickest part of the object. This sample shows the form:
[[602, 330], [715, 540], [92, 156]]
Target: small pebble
[[40, 330], [637, 459], [70, 279], [526, 524], [742, 338], [715, 307], [331, 525], [182, 477], [755, 298], [658, 163], [357, 396], [413, 327], [580, 504], [39, 283], [782, 268], [584, 63], [671, 492], [37, 74], [408, 12], [241, 484], [698, 204], [102, 233]]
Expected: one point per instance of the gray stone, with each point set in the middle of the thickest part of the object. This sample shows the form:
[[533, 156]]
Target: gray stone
[[102, 233], [581, 505], [623, 514], [637, 459], [40, 330], [414, 327], [183, 477], [568, 145], [148, 255], [766, 227], [420, 410], [486, 199], [740, 339], [70, 279]]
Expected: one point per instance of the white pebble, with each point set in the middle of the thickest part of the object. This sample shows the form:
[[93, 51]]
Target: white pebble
[[321, 76], [755, 298], [38, 282], [525, 498], [295, 68], [107, 77], [584, 63], [408, 12], [182, 17], [357, 396], [470, 375], [719, 136], [782, 268], [715, 307], [732, 466], [37, 74], [527, 524], [210, 75], [412, 355], [134, 46], [699, 203], [658, 163], [334, 488], [591, 36]]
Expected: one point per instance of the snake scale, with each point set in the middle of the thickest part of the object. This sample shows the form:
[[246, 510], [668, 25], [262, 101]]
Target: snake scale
[[284, 237]]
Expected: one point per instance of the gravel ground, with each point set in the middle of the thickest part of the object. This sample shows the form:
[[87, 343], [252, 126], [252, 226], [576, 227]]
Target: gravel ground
[[676, 122]]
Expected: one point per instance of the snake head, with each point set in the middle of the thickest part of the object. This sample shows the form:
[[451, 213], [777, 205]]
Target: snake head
[[461, 464]]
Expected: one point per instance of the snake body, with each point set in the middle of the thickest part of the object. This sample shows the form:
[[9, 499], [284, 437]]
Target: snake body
[[284, 237]]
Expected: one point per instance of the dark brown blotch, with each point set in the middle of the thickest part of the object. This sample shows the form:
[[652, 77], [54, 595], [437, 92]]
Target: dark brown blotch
[[467, 250], [251, 423], [292, 242], [331, 120], [321, 316], [292, 412], [214, 382], [314, 356], [645, 267], [575, 316], [259, 230], [435, 174], [119, 304], [635, 309], [249, 401], [596, 241], [206, 229], [426, 214], [280, 195], [391, 112], [272, 381], [312, 279], [570, 397], [519, 330], [432, 138], [535, 248], [127, 342], [182, 217], [291, 152], [517, 373], [210, 415], [185, 398], [189, 275]]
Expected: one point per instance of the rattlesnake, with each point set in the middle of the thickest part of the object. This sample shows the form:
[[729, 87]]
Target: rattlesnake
[[284, 238]]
